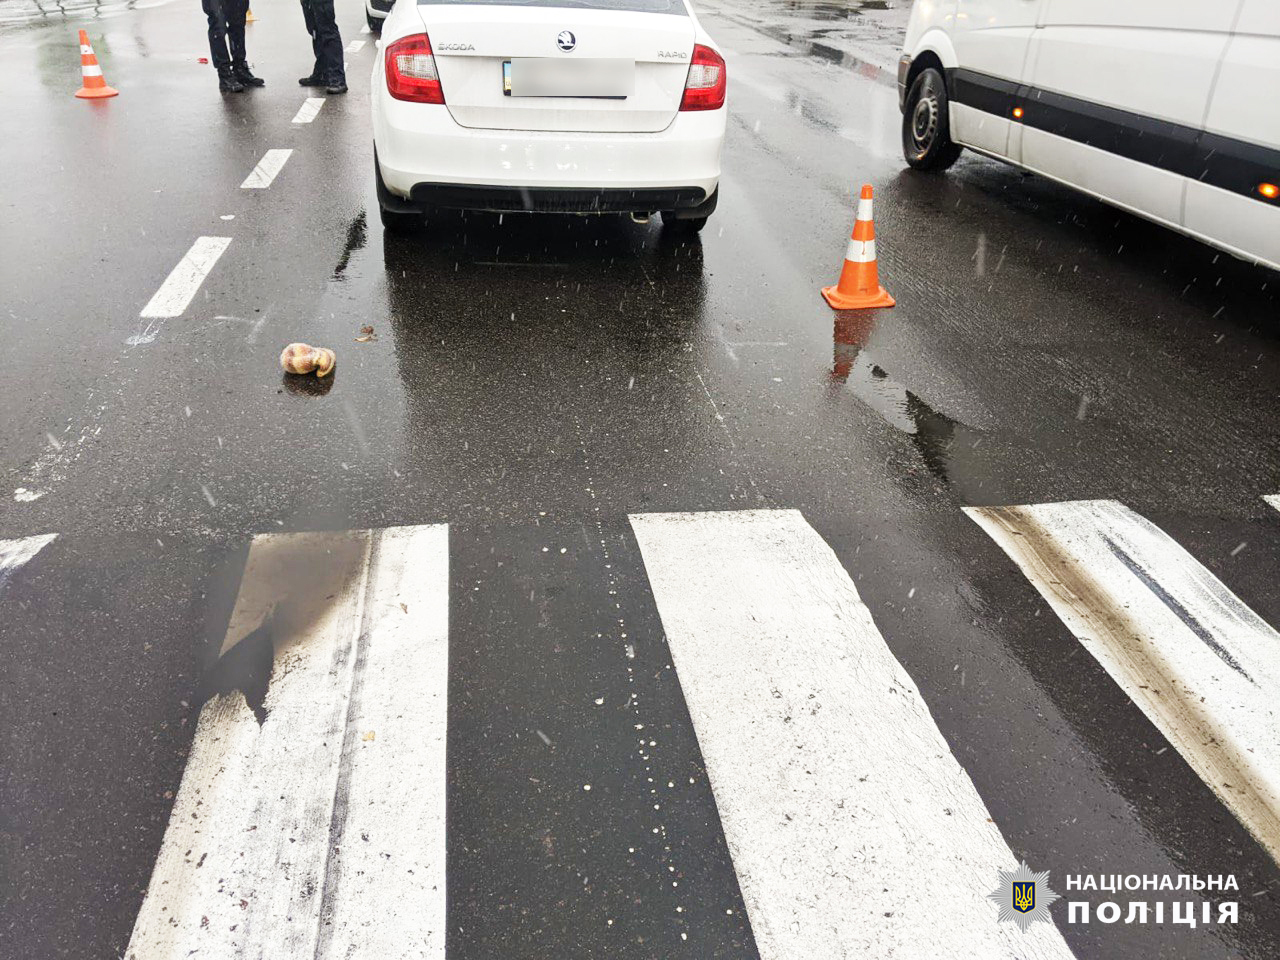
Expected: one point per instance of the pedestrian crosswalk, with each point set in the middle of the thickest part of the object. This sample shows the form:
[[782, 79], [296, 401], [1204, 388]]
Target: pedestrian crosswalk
[[1201, 665], [312, 823], [14, 554], [311, 818], [836, 790]]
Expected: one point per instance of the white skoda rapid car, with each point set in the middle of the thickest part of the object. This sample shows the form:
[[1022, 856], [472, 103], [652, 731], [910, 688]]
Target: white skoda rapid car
[[559, 106]]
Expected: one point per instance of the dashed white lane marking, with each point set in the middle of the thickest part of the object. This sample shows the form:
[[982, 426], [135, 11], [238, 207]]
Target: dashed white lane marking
[[1200, 664], [15, 553], [365, 29], [182, 283], [320, 832], [268, 167], [307, 112], [1273, 499], [354, 46], [853, 830]]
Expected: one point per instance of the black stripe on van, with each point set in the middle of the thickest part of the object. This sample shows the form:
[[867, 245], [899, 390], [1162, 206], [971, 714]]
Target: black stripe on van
[[1220, 161]]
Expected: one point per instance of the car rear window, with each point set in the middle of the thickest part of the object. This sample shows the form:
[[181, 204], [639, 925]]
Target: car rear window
[[630, 6]]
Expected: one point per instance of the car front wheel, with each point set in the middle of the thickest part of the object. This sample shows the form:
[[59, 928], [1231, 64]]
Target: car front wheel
[[926, 129]]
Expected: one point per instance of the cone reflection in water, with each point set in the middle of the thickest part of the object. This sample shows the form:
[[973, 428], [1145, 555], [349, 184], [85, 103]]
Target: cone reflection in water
[[94, 84], [859, 284]]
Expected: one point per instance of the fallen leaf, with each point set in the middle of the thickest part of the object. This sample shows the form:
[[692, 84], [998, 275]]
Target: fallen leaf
[[404, 607], [366, 329], [369, 736]]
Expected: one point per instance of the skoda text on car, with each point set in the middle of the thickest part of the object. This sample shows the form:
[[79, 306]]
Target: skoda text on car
[[581, 106], [1166, 108]]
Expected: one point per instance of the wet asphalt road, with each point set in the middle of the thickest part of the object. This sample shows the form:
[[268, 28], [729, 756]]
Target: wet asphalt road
[[533, 382]]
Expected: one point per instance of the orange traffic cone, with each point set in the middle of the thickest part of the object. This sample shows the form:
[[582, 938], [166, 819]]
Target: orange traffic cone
[[859, 284], [95, 86], [248, 15]]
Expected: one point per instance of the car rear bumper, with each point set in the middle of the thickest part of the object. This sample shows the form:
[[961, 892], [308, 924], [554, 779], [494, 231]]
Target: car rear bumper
[[426, 157], [552, 200]]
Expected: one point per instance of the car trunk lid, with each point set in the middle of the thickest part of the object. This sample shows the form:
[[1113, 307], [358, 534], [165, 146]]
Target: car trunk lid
[[479, 57]]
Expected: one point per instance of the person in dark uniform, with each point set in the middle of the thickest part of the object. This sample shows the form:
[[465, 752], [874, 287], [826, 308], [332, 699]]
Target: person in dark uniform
[[226, 27], [329, 71]]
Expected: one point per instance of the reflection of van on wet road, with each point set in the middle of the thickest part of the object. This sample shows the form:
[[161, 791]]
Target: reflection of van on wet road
[[1165, 108]]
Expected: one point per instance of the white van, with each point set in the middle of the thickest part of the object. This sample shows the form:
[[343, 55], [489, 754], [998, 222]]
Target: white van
[[1167, 108]]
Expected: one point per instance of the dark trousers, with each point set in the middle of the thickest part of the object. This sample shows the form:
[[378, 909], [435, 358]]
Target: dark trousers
[[226, 26], [326, 42]]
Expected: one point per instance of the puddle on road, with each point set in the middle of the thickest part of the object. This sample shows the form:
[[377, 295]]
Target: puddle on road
[[934, 434], [827, 10], [357, 237]]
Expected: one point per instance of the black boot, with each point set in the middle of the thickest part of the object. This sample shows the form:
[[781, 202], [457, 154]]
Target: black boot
[[315, 80], [242, 73], [227, 81], [336, 85]]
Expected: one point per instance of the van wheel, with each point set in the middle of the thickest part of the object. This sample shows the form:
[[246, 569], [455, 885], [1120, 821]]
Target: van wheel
[[375, 23], [926, 130]]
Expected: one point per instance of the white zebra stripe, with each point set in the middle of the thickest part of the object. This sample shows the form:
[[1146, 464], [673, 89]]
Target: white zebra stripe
[[320, 831], [1201, 665], [15, 554], [861, 251], [853, 830]]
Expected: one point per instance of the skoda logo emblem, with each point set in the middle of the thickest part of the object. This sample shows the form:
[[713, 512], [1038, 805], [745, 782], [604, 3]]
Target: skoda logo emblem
[[566, 41]]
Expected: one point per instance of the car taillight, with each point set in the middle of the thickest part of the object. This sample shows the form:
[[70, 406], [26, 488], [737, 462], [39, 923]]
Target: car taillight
[[411, 71], [705, 88]]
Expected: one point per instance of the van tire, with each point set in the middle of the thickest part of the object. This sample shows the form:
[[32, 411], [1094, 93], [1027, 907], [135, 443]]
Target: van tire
[[926, 128], [375, 23]]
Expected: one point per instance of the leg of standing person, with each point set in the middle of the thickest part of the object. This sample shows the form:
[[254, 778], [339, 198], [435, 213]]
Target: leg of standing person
[[216, 12], [237, 10], [328, 42], [317, 76]]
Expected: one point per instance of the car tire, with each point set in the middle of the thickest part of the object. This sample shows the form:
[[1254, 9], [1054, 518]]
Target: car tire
[[688, 226], [691, 219], [394, 219], [375, 23], [926, 127]]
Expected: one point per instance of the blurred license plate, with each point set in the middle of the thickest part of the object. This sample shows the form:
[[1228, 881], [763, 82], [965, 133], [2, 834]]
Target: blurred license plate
[[579, 77]]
